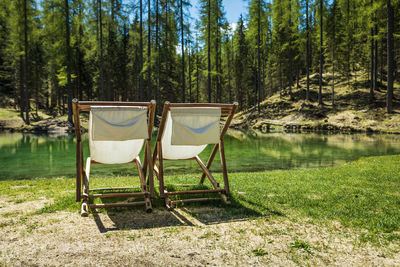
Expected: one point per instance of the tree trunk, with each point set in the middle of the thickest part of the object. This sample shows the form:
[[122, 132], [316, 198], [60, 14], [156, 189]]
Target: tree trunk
[[167, 89], [190, 77], [157, 87], [381, 62], [229, 73], [348, 43], [333, 52], [27, 104], [21, 88], [321, 58], [209, 52], [197, 77], [258, 57], [67, 35], [78, 53], [141, 52], [37, 79], [280, 78], [297, 75], [149, 51], [376, 59], [390, 57], [372, 82], [290, 52], [218, 91], [183, 53], [101, 52], [308, 54]]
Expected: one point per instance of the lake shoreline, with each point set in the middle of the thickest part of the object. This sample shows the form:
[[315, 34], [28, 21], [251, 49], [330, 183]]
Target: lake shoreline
[[267, 126], [54, 126]]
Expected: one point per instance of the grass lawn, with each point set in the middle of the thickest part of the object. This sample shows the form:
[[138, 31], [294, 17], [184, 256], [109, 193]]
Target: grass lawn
[[347, 215], [363, 195]]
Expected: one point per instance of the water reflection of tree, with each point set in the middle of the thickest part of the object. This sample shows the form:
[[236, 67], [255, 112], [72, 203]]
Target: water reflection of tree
[[279, 150], [30, 156]]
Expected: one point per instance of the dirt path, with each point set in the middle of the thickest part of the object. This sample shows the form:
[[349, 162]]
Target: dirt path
[[185, 237]]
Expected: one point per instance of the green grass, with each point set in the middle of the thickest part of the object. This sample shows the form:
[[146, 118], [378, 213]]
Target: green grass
[[6, 113], [301, 245], [362, 195], [259, 252]]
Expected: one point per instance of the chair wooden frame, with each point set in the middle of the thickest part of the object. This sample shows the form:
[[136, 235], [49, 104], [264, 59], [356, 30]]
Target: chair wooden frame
[[227, 110], [82, 175]]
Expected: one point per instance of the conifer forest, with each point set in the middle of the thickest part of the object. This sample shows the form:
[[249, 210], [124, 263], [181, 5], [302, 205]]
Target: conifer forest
[[52, 51]]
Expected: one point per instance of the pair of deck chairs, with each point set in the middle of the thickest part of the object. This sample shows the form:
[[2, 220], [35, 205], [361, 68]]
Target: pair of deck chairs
[[119, 130]]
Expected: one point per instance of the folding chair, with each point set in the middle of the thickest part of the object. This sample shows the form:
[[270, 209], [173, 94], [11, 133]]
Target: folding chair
[[117, 131], [185, 131]]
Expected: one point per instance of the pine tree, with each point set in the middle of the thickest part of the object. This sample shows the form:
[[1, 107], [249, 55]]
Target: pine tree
[[390, 57], [372, 82], [321, 57], [308, 52], [156, 89], [240, 62], [182, 50], [148, 51], [68, 58], [6, 69], [102, 93], [141, 97]]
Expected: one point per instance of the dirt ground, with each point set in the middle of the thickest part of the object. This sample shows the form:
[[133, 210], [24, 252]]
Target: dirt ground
[[187, 236]]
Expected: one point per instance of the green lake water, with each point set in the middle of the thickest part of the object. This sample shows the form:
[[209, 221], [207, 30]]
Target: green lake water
[[29, 156]]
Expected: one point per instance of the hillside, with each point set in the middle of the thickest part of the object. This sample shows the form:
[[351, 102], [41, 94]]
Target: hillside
[[352, 111], [10, 120]]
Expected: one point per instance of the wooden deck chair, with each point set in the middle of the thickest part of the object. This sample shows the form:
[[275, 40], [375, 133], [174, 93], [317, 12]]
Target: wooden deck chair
[[185, 131], [117, 131]]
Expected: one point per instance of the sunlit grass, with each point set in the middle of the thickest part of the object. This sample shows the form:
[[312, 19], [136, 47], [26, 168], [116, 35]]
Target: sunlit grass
[[6, 113], [361, 195]]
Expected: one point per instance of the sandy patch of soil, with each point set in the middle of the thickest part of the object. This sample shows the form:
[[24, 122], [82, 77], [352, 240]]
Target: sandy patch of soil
[[9, 207], [131, 237]]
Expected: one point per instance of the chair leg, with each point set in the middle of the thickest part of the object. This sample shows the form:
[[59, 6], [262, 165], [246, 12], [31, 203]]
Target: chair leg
[[84, 207], [155, 154], [209, 162], [145, 159], [212, 180], [223, 164], [207, 172], [144, 186], [168, 204], [140, 173], [78, 172], [160, 170], [149, 163], [85, 199]]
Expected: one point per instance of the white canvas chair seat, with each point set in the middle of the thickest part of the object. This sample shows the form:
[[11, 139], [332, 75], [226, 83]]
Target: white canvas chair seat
[[117, 132], [188, 131], [185, 131], [115, 152]]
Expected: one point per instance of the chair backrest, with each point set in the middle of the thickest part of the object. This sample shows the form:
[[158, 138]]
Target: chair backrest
[[187, 129], [116, 133], [118, 123], [117, 130]]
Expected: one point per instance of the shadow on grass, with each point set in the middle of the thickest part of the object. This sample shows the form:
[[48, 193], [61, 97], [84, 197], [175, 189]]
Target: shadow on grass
[[192, 214]]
